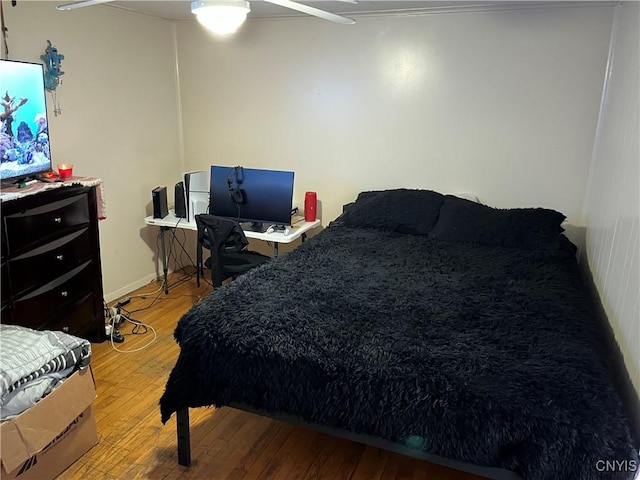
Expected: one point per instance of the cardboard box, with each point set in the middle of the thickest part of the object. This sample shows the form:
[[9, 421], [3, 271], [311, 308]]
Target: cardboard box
[[43, 441]]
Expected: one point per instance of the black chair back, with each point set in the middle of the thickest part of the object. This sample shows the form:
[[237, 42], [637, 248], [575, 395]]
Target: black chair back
[[227, 242]]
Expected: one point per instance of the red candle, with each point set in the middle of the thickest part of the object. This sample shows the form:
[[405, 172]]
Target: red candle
[[65, 170]]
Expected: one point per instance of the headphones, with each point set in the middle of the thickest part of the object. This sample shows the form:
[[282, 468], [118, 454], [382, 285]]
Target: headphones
[[236, 193]]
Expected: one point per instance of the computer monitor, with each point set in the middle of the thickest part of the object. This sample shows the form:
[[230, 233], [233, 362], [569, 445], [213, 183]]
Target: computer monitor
[[262, 197]]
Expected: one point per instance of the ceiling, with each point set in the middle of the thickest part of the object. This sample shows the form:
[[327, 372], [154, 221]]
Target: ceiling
[[180, 10]]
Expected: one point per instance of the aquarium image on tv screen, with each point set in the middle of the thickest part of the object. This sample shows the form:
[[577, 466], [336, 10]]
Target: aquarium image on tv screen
[[24, 132]]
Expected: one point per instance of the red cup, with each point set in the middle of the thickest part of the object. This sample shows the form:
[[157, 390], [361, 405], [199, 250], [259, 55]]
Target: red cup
[[65, 170], [310, 206]]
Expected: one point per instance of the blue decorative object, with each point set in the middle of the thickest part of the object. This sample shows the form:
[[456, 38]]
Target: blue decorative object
[[53, 67]]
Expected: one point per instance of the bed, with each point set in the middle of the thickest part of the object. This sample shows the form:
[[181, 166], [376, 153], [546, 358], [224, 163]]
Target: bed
[[440, 327]]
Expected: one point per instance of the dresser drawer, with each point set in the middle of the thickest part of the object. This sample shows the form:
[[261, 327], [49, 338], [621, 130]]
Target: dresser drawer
[[34, 226], [6, 290], [3, 239], [6, 314], [45, 263], [78, 318], [36, 308]]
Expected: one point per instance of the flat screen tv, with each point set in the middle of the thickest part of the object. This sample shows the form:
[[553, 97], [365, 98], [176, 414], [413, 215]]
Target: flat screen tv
[[24, 130], [262, 197]]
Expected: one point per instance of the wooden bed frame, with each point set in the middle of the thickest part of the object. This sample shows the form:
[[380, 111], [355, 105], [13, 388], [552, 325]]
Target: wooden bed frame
[[184, 443]]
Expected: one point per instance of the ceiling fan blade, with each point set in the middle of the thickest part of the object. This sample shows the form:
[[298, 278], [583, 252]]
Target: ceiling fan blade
[[82, 3], [313, 11]]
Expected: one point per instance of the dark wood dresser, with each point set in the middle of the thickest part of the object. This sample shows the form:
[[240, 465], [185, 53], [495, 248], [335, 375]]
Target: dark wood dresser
[[51, 271]]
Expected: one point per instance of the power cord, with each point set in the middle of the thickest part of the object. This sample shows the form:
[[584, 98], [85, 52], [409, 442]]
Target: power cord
[[158, 294], [112, 329], [116, 318], [183, 251], [171, 255]]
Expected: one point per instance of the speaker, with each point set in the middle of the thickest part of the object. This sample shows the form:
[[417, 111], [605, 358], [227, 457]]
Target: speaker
[[310, 206], [159, 197], [181, 205]]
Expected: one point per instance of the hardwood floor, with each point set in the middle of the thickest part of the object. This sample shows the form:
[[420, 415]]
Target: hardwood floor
[[225, 443]]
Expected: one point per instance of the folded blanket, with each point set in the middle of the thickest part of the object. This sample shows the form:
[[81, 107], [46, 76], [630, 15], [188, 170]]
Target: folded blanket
[[27, 355]]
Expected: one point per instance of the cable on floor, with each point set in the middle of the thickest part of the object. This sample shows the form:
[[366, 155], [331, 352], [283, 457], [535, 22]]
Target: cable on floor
[[139, 328]]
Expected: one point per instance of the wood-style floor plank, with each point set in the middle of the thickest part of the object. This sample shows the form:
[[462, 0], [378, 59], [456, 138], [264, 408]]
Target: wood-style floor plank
[[225, 443]]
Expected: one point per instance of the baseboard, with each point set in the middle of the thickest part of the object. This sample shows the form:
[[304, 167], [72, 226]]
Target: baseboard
[[127, 289]]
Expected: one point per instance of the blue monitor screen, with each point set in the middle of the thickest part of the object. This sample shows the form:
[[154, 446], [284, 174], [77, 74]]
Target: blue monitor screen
[[251, 194], [24, 132]]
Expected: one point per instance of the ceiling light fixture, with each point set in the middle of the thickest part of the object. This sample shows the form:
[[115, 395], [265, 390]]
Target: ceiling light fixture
[[221, 16]]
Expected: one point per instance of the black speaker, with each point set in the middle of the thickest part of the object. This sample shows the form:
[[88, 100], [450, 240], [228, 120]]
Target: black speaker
[[159, 197], [181, 209]]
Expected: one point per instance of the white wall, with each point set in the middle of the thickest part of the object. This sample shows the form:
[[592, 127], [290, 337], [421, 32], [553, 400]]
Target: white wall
[[502, 104], [612, 204], [119, 117]]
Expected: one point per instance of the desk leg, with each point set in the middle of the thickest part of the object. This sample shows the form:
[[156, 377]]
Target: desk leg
[[165, 267], [275, 245]]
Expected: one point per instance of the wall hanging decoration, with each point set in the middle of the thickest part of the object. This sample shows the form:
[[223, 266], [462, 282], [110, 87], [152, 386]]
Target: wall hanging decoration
[[52, 60], [53, 66]]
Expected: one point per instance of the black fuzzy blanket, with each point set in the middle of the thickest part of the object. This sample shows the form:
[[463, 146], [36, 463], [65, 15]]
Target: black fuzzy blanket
[[486, 355]]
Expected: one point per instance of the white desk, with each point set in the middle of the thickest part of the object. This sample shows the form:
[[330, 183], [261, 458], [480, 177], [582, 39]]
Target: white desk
[[297, 230]]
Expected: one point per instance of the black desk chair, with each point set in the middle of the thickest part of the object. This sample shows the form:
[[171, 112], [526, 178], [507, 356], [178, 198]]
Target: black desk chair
[[228, 245]]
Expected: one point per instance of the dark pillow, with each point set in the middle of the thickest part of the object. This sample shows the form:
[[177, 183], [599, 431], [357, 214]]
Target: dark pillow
[[533, 228], [402, 210], [466, 221]]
